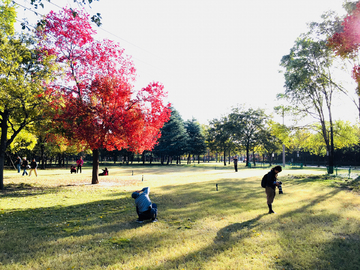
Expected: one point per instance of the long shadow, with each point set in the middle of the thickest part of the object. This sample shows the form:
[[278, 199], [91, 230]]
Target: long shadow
[[233, 234], [25, 190], [180, 207], [42, 227], [224, 235]]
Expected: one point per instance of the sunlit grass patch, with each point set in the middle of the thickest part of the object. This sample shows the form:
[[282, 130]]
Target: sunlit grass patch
[[60, 221]]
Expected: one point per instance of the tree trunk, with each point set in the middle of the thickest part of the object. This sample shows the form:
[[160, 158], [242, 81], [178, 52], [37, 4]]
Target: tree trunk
[[254, 161], [3, 141], [224, 157], [95, 171], [247, 155], [331, 154], [359, 107], [42, 155]]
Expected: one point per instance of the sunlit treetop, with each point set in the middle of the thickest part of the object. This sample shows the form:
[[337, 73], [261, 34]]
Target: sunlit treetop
[[7, 18], [99, 105]]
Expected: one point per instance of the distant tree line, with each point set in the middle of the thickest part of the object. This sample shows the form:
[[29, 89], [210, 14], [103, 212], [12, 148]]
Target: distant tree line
[[55, 108]]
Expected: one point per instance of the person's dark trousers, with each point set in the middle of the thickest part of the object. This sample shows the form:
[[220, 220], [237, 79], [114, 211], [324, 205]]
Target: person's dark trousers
[[270, 209], [149, 214], [78, 168]]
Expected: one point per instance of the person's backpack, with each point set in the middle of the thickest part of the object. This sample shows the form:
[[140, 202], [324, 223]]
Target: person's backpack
[[263, 181]]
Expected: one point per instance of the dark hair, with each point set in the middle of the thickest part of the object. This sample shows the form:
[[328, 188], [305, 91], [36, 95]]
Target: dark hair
[[278, 168]]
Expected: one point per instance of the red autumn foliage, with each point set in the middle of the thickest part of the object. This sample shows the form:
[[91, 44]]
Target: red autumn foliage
[[96, 101], [347, 42]]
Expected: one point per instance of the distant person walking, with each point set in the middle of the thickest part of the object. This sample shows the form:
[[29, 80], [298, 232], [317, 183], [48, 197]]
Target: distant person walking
[[271, 183], [33, 167], [24, 165], [79, 163], [144, 207], [235, 163], [18, 164]]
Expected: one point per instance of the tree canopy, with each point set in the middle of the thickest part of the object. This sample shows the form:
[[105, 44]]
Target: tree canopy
[[309, 85], [98, 104], [23, 71]]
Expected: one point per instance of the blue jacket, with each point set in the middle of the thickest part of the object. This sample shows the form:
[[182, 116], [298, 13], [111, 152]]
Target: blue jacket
[[143, 202]]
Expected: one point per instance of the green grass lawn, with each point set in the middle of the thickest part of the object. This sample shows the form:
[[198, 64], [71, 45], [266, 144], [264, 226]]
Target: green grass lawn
[[61, 221]]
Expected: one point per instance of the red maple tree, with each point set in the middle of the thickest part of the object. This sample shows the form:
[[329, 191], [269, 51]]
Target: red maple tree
[[96, 102], [346, 43]]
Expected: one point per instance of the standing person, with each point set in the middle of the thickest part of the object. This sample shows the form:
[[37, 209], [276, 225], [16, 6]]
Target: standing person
[[33, 167], [79, 163], [271, 183], [18, 164], [144, 208], [235, 163], [24, 165]]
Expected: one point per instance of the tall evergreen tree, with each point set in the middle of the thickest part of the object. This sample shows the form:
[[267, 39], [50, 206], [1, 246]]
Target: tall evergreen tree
[[173, 141], [196, 140]]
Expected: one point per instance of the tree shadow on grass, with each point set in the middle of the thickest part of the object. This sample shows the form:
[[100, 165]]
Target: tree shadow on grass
[[34, 230], [224, 235], [231, 235], [92, 226], [21, 190]]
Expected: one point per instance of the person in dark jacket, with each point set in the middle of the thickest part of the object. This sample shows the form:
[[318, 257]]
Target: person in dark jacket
[[104, 172], [24, 165], [33, 167], [18, 164], [271, 184], [236, 163], [144, 207]]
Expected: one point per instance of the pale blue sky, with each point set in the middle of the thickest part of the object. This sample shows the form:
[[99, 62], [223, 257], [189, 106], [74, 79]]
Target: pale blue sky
[[213, 54]]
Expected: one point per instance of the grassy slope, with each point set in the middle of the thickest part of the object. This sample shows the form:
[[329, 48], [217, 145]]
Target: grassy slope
[[59, 221]]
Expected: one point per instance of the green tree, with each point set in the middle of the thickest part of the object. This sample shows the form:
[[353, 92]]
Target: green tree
[[246, 126], [309, 86], [345, 135], [173, 141], [269, 141], [196, 140], [219, 136], [22, 72]]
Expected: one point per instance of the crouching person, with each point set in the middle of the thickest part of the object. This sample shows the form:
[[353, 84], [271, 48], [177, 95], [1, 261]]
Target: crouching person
[[144, 208]]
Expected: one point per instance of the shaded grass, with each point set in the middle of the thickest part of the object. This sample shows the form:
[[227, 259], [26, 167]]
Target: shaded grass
[[61, 222]]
